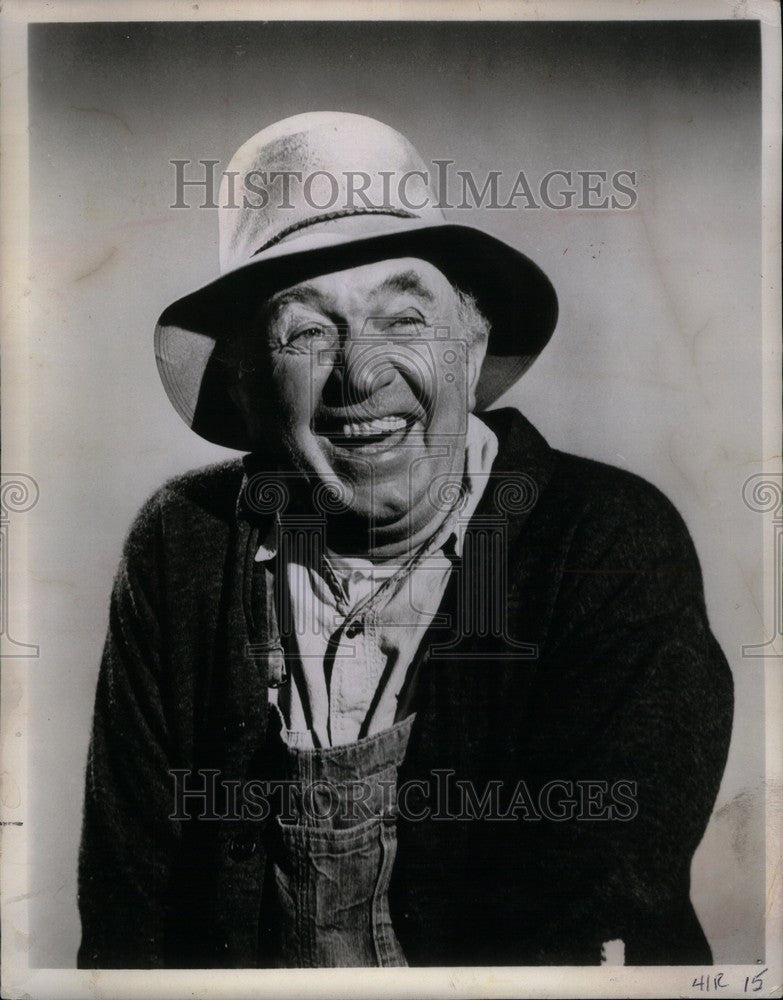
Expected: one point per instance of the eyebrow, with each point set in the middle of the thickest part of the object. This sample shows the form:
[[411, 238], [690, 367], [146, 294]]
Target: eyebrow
[[304, 294], [406, 281], [403, 282]]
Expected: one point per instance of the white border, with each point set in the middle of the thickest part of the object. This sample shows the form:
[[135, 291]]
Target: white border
[[18, 979]]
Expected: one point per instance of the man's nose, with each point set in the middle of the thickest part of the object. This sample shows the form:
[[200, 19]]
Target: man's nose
[[366, 369]]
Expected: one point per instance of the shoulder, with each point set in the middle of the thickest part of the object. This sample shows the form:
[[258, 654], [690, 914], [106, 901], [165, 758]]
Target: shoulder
[[575, 493], [596, 489], [193, 503], [617, 519], [212, 488]]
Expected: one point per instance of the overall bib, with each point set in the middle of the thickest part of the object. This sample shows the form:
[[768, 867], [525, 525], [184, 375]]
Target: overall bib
[[331, 853]]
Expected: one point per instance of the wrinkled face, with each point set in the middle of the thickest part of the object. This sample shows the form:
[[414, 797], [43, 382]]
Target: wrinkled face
[[373, 379]]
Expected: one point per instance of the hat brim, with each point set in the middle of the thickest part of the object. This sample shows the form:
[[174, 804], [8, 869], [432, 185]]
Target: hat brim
[[194, 335]]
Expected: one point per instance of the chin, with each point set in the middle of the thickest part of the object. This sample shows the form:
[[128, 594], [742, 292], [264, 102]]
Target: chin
[[376, 510]]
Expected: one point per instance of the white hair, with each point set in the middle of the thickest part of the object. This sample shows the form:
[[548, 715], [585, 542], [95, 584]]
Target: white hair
[[472, 320]]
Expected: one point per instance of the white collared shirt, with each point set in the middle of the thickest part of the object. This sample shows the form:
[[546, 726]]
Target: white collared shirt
[[345, 684]]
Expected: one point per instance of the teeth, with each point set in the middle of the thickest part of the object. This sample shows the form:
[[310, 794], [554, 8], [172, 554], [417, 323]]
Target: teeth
[[368, 428]]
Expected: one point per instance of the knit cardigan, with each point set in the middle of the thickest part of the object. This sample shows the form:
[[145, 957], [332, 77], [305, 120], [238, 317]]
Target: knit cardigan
[[599, 673]]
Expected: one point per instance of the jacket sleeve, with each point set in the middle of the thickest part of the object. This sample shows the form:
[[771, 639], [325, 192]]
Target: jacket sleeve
[[637, 683], [127, 837]]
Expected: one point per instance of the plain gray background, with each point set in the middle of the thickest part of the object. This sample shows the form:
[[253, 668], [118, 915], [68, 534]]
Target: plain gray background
[[655, 365]]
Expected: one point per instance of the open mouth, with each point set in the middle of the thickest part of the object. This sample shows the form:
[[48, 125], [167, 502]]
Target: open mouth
[[373, 435]]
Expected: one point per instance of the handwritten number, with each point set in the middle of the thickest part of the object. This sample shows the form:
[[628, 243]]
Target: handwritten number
[[756, 983]]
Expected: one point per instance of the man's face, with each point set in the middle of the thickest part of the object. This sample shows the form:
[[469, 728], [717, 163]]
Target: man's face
[[373, 380]]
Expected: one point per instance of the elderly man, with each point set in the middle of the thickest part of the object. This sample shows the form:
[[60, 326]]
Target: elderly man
[[404, 685]]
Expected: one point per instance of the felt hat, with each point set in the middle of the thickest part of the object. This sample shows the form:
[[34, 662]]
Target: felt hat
[[318, 193]]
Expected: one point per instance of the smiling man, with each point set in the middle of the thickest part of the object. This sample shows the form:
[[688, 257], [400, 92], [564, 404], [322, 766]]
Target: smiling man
[[366, 397], [404, 685]]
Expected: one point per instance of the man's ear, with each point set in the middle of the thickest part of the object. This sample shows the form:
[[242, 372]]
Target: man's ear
[[251, 393], [245, 401], [476, 354], [237, 396]]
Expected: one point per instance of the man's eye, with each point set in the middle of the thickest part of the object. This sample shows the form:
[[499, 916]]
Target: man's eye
[[310, 333], [406, 325]]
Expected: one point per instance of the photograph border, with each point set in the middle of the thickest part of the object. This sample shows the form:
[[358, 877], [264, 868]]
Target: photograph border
[[19, 495]]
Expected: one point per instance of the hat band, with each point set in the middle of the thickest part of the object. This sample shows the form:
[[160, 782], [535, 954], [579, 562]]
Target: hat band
[[399, 213]]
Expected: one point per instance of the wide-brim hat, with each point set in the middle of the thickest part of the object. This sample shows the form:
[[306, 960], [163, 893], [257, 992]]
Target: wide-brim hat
[[316, 221]]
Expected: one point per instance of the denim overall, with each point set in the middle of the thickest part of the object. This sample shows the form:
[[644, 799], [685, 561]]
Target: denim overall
[[332, 852]]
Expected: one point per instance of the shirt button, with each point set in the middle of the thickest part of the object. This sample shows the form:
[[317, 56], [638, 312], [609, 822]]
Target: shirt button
[[242, 848]]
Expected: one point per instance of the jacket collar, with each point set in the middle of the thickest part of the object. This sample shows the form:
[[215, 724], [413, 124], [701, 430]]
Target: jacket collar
[[520, 473]]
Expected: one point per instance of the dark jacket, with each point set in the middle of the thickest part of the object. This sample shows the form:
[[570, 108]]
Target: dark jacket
[[598, 673]]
